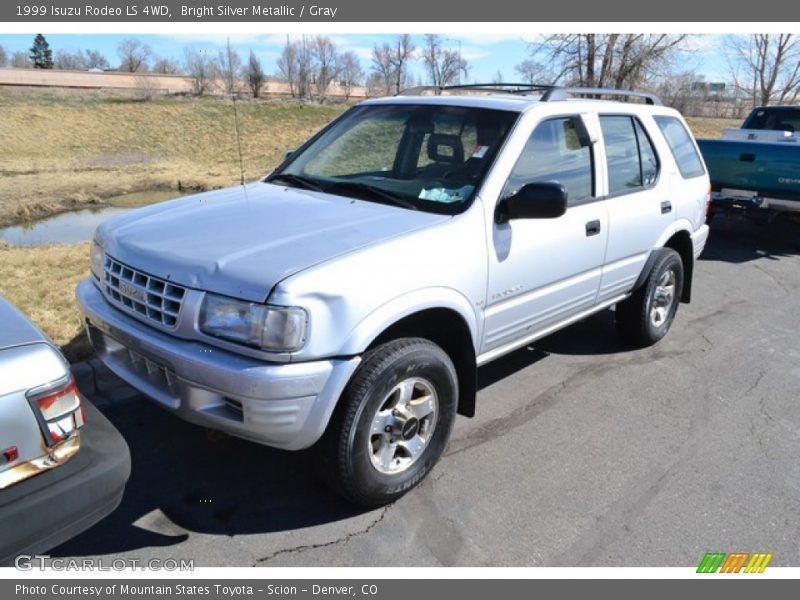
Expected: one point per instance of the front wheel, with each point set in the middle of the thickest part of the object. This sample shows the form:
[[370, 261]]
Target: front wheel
[[392, 423], [645, 317]]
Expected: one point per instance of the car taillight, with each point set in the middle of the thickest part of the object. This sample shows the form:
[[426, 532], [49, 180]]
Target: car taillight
[[59, 409], [708, 203], [9, 455]]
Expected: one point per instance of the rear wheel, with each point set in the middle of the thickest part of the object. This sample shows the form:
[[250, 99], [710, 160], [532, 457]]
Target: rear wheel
[[392, 423], [645, 317]]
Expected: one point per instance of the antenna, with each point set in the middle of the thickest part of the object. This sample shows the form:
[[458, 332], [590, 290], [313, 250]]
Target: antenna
[[238, 138], [235, 113]]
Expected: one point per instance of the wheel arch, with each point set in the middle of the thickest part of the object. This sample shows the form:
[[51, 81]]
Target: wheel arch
[[680, 240], [447, 329]]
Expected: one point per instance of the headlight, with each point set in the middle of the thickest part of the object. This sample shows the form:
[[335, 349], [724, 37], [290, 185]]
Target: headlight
[[272, 328], [96, 257]]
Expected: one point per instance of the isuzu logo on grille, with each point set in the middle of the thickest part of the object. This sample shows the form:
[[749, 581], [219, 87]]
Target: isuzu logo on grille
[[132, 292]]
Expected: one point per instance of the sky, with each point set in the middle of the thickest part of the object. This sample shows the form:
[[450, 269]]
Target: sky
[[487, 54]]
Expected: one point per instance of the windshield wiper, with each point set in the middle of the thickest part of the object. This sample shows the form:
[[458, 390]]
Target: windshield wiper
[[373, 192], [297, 180]]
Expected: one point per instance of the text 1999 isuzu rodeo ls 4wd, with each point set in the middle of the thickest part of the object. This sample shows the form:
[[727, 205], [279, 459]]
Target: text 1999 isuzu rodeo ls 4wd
[[347, 299]]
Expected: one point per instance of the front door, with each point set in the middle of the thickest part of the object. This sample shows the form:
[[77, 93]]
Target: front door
[[543, 271]]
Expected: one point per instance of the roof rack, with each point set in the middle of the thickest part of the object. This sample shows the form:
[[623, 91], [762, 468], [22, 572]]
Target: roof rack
[[550, 93]]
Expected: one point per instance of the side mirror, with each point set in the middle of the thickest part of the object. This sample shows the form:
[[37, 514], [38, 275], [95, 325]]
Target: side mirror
[[545, 200], [288, 154]]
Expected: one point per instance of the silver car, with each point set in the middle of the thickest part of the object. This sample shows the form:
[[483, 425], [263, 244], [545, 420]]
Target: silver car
[[63, 466], [348, 298]]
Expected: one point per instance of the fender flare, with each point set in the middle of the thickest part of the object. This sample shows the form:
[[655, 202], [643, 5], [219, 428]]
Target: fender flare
[[682, 225], [386, 315]]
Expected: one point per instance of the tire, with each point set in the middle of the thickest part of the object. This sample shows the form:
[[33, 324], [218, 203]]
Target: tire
[[645, 317], [392, 423]]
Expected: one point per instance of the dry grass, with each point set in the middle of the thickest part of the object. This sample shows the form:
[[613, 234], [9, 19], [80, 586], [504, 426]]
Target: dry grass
[[707, 127], [41, 282], [64, 152]]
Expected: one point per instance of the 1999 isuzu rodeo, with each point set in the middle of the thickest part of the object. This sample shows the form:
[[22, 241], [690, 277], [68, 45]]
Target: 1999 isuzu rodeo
[[348, 298]]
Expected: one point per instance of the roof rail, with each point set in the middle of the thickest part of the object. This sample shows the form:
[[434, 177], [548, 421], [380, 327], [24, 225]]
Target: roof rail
[[505, 88], [560, 93], [550, 93]]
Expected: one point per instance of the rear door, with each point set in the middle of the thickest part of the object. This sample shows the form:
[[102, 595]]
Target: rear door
[[639, 203]]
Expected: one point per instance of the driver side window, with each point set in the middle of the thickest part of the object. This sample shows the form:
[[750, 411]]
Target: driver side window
[[554, 153]]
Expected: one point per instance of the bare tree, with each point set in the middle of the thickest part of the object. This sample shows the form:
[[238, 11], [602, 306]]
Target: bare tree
[[686, 92], [444, 66], [498, 77], [3, 57], [20, 60], [229, 67], [390, 62], [382, 69], [70, 61], [134, 55], [613, 60], [200, 67], [375, 84], [325, 64], [766, 66], [146, 87], [165, 66], [96, 60], [287, 65], [254, 75], [295, 66], [403, 53], [350, 72], [533, 72]]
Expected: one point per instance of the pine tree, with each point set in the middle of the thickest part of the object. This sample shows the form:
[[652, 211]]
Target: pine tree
[[41, 54]]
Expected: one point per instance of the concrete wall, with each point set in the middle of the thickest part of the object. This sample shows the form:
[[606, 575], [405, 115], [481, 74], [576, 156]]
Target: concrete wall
[[132, 81]]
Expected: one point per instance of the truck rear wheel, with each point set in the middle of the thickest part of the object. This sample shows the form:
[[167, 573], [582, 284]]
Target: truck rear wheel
[[645, 317], [392, 423]]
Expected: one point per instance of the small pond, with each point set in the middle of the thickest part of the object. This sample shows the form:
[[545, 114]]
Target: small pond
[[77, 226]]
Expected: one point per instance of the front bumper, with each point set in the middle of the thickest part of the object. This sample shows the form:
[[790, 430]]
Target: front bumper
[[286, 405]]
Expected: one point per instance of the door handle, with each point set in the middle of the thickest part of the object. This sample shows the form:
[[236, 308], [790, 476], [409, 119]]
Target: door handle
[[592, 228], [666, 207]]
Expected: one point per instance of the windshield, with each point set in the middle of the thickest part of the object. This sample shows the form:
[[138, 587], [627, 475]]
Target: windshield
[[422, 157]]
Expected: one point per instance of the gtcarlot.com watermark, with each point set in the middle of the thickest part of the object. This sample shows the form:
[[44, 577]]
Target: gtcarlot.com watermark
[[27, 562]]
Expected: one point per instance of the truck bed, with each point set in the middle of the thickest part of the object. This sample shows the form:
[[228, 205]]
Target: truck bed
[[768, 171]]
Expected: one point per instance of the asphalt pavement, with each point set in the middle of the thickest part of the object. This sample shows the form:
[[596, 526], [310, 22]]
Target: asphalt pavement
[[583, 451]]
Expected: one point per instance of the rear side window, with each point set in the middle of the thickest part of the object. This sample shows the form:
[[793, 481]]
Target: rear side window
[[554, 152], [632, 160], [683, 149]]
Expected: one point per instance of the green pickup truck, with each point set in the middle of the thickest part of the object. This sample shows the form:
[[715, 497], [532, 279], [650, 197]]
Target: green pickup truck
[[757, 168]]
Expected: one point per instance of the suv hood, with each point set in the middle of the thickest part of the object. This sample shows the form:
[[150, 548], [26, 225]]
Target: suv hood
[[242, 241]]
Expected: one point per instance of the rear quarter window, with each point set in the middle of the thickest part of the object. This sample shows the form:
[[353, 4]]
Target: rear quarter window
[[682, 146]]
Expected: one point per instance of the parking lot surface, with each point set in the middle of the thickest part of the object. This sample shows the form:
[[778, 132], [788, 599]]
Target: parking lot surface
[[583, 452]]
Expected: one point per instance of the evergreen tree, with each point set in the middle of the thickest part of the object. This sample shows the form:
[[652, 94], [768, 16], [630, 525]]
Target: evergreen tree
[[41, 54]]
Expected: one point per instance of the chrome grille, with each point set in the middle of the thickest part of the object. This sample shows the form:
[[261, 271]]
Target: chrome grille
[[154, 299]]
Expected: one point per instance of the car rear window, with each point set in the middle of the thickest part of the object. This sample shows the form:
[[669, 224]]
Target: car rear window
[[683, 148], [776, 118]]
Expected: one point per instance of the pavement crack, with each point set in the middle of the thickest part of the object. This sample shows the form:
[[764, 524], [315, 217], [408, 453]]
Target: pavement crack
[[341, 540], [760, 376], [771, 276]]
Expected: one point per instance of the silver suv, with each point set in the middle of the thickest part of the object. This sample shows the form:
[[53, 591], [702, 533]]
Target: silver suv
[[348, 298]]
